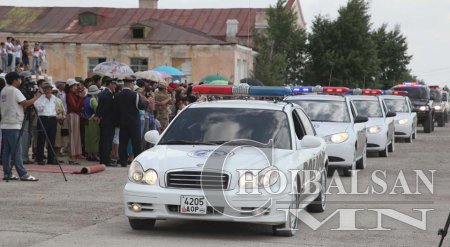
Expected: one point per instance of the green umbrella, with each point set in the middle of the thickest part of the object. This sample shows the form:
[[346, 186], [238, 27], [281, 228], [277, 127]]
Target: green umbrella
[[218, 83], [210, 78]]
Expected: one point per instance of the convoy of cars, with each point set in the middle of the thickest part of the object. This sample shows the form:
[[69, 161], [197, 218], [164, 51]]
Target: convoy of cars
[[260, 161]]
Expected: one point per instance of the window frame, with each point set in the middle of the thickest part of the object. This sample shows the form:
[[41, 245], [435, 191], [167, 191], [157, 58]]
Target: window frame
[[99, 60], [141, 67]]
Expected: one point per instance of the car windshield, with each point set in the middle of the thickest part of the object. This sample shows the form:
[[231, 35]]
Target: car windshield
[[445, 97], [436, 95], [368, 108], [213, 126], [396, 105], [415, 92], [325, 111]]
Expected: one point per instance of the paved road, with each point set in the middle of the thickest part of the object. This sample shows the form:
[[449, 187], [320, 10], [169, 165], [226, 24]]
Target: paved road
[[87, 210]]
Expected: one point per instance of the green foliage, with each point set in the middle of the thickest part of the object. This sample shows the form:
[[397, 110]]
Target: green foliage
[[281, 48], [346, 52]]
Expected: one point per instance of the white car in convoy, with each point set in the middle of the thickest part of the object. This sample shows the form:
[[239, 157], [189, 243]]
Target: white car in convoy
[[406, 119], [335, 119], [380, 127], [190, 174]]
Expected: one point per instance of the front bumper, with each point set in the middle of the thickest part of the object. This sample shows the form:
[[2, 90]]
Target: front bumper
[[377, 142], [341, 155], [163, 203], [403, 130]]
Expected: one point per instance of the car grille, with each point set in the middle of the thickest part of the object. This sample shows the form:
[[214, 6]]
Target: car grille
[[197, 180], [400, 133]]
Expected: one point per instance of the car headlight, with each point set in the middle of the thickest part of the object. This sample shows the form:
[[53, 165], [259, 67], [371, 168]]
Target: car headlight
[[438, 107], [403, 121], [423, 108], [264, 179], [374, 129], [136, 174], [337, 138]]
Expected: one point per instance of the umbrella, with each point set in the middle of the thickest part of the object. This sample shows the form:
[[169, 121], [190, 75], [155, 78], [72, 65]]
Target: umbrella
[[163, 75], [252, 82], [174, 72], [150, 75], [210, 78], [218, 83], [113, 69]]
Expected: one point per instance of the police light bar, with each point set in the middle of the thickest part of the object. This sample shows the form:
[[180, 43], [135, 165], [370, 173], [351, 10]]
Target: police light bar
[[434, 87], [410, 84], [336, 90], [390, 92], [243, 90], [372, 92]]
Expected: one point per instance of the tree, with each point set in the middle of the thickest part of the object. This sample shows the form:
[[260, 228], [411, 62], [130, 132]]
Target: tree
[[281, 48], [392, 50], [343, 49]]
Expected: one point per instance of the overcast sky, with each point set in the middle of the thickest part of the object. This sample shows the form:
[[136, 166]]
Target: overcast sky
[[426, 23]]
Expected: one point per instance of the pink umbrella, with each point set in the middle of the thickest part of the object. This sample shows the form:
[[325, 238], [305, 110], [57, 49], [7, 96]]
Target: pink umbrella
[[163, 75]]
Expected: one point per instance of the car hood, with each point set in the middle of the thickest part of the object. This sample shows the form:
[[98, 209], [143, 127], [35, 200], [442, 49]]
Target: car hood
[[328, 128], [375, 121], [402, 115], [164, 158], [419, 102]]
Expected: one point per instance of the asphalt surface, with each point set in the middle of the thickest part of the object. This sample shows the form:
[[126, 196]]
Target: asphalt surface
[[87, 210]]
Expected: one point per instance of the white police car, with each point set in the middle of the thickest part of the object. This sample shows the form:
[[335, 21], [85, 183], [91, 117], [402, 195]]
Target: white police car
[[406, 119], [191, 174], [335, 119], [380, 127]]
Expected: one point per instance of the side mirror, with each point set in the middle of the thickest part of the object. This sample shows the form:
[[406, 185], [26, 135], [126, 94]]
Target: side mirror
[[391, 114], [152, 137], [361, 119], [309, 141]]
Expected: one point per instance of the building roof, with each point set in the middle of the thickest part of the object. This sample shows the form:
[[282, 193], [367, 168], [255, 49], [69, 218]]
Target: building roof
[[66, 19], [158, 33]]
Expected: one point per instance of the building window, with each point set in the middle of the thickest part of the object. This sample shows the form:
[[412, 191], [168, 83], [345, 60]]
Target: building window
[[88, 19], [138, 33], [139, 64], [93, 61]]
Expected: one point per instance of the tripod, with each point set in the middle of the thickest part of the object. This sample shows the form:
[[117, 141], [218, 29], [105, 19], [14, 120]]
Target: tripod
[[26, 117]]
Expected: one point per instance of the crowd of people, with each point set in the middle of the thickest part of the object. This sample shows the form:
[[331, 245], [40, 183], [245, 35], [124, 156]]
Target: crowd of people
[[18, 56], [100, 119]]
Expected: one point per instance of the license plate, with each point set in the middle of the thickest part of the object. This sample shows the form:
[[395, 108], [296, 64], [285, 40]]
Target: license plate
[[193, 205]]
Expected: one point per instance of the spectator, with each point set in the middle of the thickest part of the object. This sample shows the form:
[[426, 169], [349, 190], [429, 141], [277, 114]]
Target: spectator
[[60, 117], [43, 59], [36, 55], [92, 130], [46, 111], [26, 55], [60, 85], [105, 117], [12, 105], [18, 54], [74, 106], [127, 105], [2, 85], [96, 80], [4, 56], [163, 100], [10, 49]]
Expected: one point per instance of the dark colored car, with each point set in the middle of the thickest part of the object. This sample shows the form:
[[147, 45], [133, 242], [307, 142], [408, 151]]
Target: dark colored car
[[422, 102]]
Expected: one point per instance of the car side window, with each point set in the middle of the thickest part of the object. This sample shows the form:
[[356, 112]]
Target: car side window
[[309, 129], [299, 130]]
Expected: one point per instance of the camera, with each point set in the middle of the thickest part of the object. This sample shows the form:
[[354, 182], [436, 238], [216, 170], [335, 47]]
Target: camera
[[28, 86]]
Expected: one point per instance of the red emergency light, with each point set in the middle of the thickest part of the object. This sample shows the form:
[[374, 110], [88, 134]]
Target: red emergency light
[[213, 90], [434, 87], [372, 92], [336, 90], [402, 93]]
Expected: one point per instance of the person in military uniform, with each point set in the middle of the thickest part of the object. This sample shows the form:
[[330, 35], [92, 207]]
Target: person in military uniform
[[162, 101]]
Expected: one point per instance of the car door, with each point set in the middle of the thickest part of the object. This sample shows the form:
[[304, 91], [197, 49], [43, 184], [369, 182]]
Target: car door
[[390, 122], [360, 131], [314, 156]]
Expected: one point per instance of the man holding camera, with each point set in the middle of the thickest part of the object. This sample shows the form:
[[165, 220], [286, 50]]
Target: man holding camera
[[12, 107]]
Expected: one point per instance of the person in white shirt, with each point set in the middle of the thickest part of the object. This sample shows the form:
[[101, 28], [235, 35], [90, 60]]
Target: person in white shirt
[[18, 53], [43, 60], [12, 104], [10, 49], [46, 111]]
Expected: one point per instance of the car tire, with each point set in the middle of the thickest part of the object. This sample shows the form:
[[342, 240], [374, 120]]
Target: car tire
[[384, 153], [428, 124], [391, 147], [348, 172], [415, 133], [441, 121], [289, 228], [409, 139], [362, 163], [142, 224], [319, 204]]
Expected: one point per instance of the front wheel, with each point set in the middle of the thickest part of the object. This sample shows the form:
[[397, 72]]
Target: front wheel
[[391, 147], [319, 204], [362, 163], [384, 153], [142, 224], [289, 228], [428, 124], [441, 121]]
